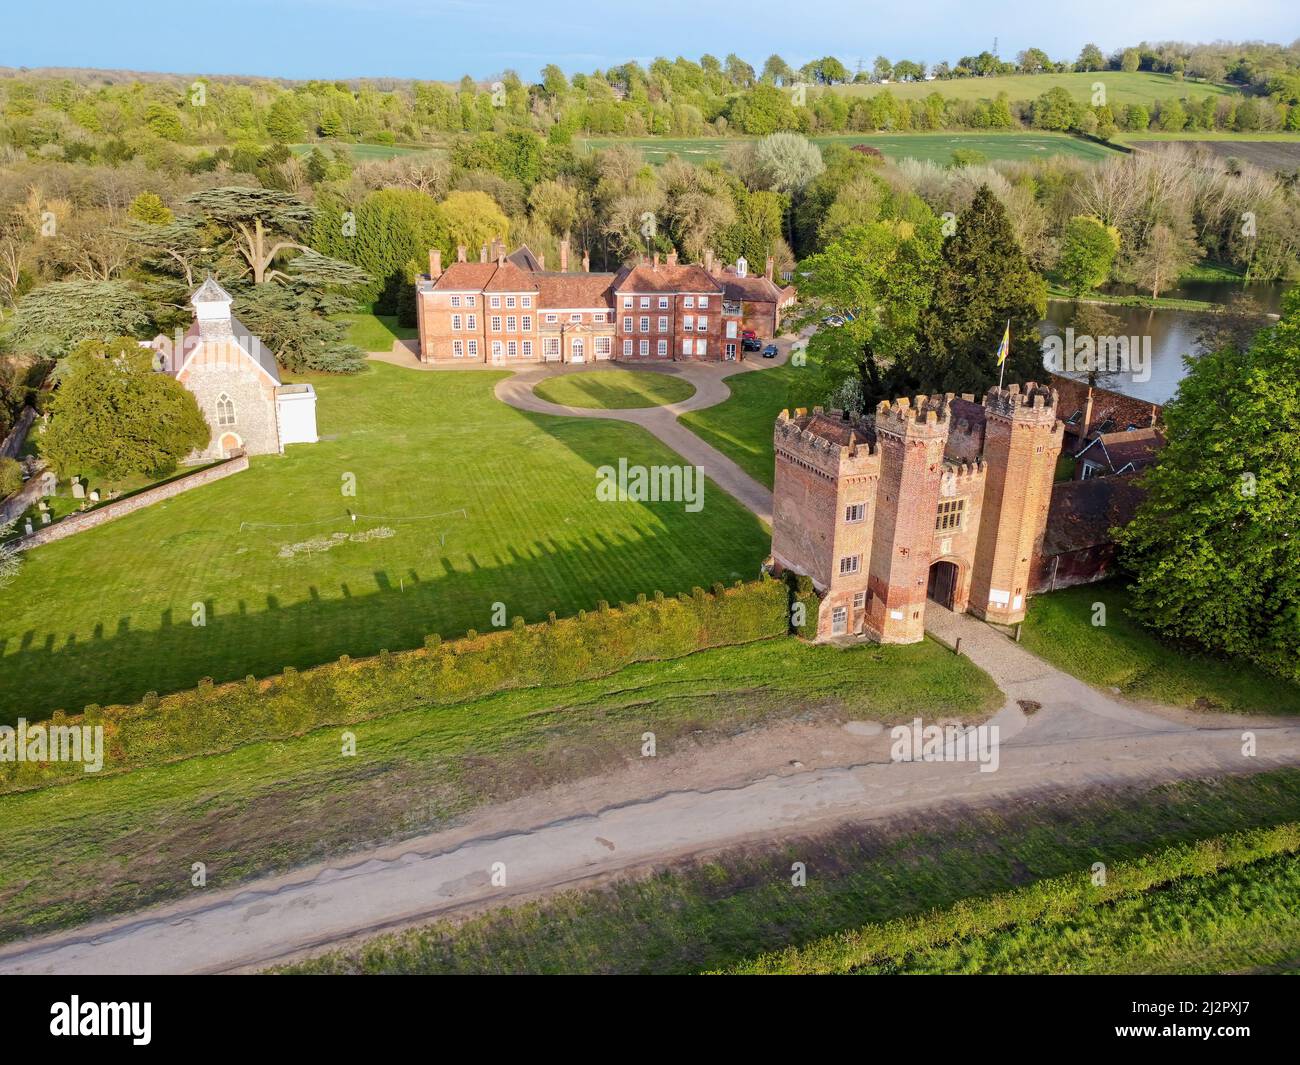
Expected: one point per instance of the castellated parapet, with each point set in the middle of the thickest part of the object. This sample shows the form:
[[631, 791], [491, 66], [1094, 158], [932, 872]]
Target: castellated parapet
[[938, 497]]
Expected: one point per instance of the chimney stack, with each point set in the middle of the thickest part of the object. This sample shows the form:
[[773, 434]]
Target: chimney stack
[[656, 262], [771, 267], [460, 253], [708, 260], [435, 264], [672, 257], [482, 253], [586, 261], [564, 254], [541, 261]]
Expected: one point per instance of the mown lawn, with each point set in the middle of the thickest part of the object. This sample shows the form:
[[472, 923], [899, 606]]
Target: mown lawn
[[614, 389], [1123, 654], [127, 841], [460, 502], [722, 912], [741, 427], [376, 332]]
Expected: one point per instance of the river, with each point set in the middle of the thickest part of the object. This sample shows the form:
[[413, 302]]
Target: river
[[1172, 333]]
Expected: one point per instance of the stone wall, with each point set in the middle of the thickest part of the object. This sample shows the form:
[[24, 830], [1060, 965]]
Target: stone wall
[[1099, 404], [119, 508], [13, 443]]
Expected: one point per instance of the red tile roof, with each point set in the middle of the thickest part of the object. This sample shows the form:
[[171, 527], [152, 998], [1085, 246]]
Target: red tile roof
[[684, 277], [575, 290]]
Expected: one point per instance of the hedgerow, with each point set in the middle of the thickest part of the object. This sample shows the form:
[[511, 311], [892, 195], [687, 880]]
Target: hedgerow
[[212, 718]]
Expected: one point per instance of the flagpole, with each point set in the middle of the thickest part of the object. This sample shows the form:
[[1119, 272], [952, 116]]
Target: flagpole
[[1002, 366]]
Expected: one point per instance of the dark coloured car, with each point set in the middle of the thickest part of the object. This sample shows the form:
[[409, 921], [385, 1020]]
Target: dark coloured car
[[770, 352], [749, 344]]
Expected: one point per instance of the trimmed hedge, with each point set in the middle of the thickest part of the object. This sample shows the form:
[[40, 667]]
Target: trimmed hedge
[[212, 718]]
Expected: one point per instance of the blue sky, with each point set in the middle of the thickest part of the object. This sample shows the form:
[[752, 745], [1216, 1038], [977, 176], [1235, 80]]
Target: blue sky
[[442, 39]]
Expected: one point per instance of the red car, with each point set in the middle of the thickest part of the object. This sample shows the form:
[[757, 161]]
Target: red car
[[748, 334]]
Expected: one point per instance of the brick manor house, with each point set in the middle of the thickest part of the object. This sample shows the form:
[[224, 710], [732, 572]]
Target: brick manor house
[[938, 497], [511, 309]]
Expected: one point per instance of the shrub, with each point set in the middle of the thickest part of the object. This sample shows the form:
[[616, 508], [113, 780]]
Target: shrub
[[214, 718], [11, 477]]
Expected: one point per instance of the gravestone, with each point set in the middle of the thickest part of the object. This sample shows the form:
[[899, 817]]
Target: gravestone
[[78, 489], [45, 517], [27, 527], [49, 483], [94, 495]]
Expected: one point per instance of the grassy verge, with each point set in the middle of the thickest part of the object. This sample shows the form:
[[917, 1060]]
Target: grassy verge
[[720, 913], [614, 389], [1123, 654], [1219, 904], [741, 426], [69, 854], [1055, 291]]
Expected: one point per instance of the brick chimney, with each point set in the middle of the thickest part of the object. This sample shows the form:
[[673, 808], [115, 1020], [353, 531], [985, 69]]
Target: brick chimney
[[656, 262], [435, 264], [541, 261], [708, 260], [482, 253], [672, 257], [460, 253], [564, 254], [586, 261], [771, 267]]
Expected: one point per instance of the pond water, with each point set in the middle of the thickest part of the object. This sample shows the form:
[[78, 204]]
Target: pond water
[[1172, 334]]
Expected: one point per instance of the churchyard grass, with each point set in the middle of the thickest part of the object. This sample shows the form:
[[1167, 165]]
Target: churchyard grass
[[1124, 655], [460, 503], [614, 389], [129, 840], [722, 912]]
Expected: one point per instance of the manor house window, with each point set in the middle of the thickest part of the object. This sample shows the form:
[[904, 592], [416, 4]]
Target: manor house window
[[855, 512], [849, 564], [950, 514]]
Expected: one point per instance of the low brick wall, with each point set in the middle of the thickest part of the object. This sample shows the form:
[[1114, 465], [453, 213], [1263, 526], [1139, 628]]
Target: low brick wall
[[119, 508]]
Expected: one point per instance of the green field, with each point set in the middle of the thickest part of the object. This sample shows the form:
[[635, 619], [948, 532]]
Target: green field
[[1122, 87], [614, 389], [1121, 654], [128, 840], [741, 426], [460, 502], [937, 147], [721, 912]]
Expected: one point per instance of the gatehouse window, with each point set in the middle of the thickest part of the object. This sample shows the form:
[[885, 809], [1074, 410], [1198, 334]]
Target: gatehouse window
[[855, 512], [950, 514], [225, 410], [849, 564]]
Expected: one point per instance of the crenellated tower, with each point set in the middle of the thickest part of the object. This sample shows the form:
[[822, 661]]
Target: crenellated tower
[[1022, 439]]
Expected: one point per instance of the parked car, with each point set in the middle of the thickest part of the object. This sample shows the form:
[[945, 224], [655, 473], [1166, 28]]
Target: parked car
[[770, 352], [833, 319], [748, 334], [751, 344]]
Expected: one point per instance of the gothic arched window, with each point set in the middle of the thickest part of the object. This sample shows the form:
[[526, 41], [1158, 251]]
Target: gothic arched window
[[225, 410]]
